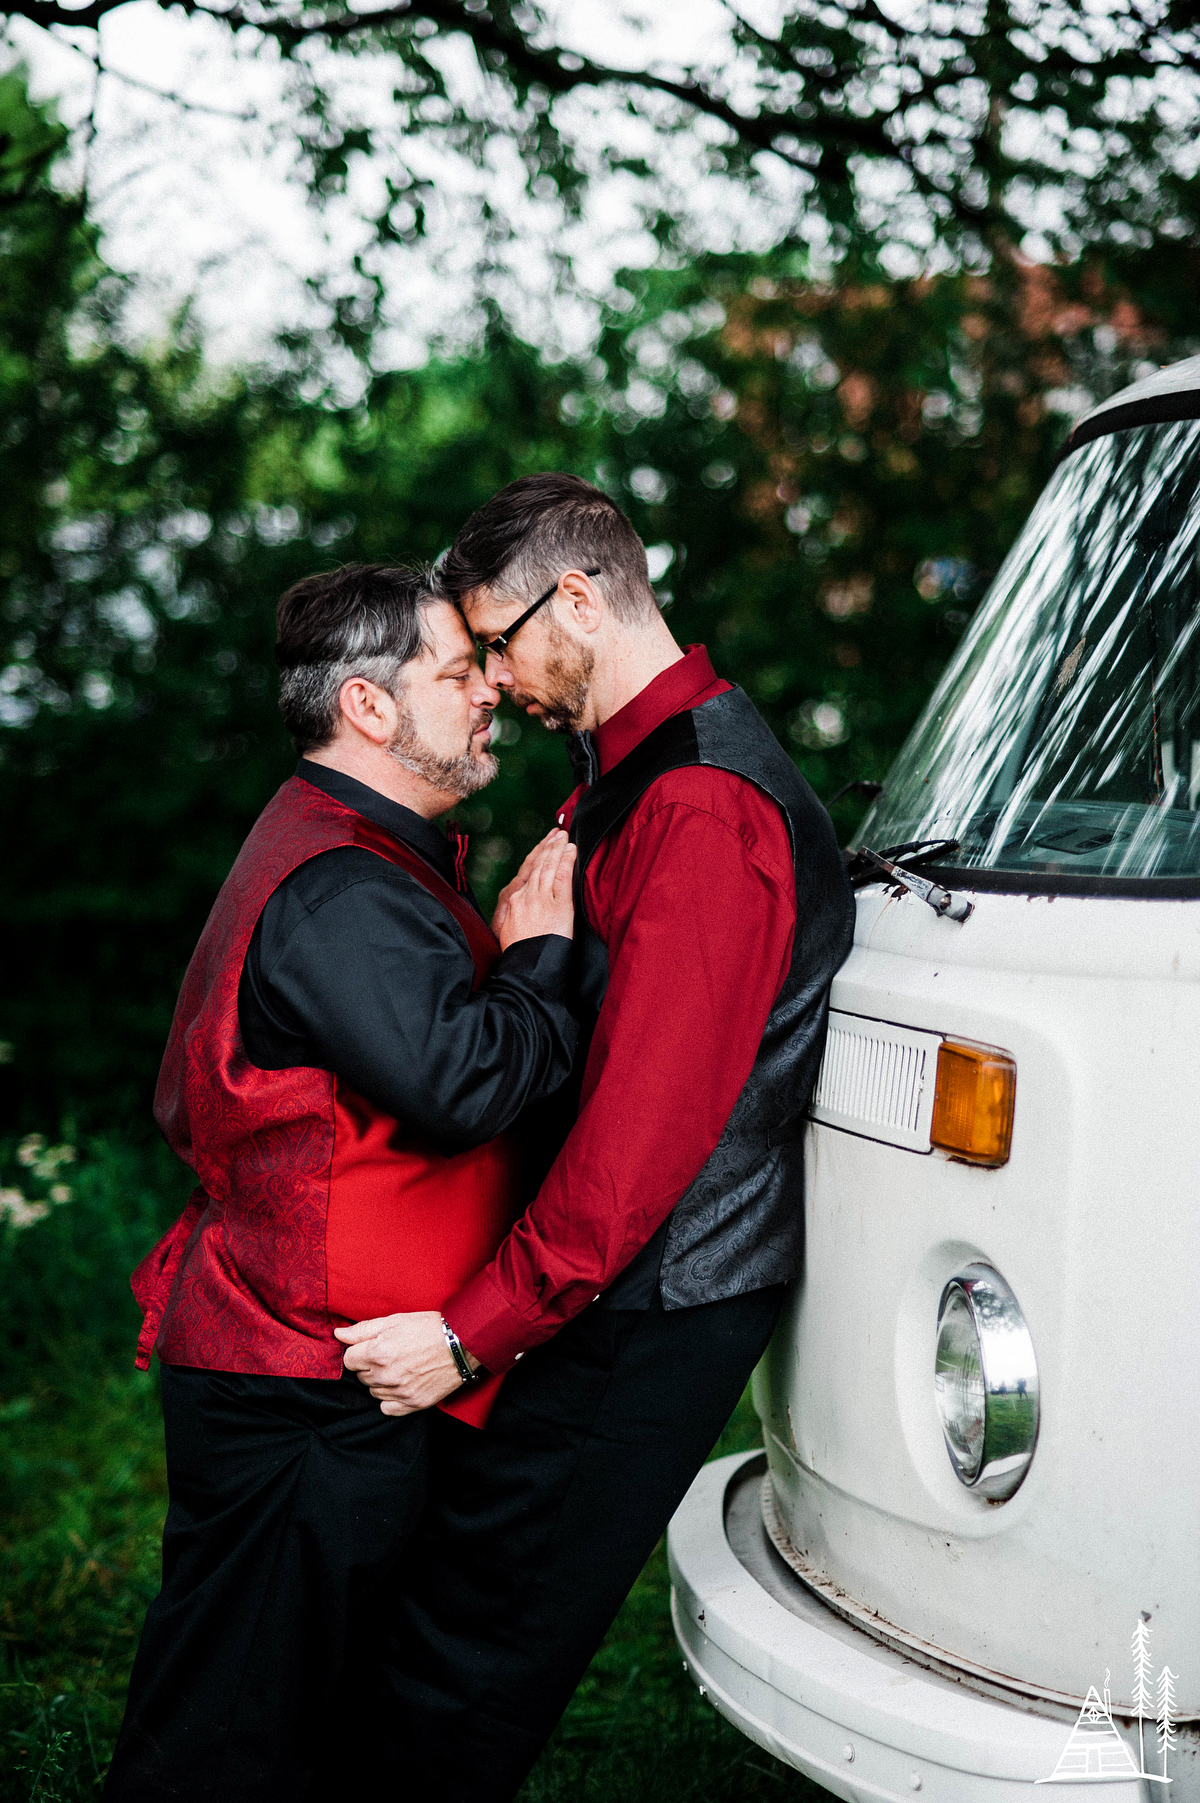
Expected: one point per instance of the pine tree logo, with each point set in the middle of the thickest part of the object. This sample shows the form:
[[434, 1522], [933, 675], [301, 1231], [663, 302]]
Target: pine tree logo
[[1166, 1726], [1143, 1692], [1096, 1752]]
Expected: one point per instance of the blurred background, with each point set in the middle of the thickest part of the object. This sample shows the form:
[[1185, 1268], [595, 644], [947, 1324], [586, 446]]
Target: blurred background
[[813, 292]]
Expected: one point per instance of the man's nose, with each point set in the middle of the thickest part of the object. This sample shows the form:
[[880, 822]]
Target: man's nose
[[495, 674], [487, 693]]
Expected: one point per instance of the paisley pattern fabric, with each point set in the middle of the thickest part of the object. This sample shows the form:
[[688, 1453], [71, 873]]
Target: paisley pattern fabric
[[239, 1283], [740, 1225]]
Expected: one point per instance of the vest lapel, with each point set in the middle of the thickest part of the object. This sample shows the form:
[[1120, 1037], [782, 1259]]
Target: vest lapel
[[610, 798]]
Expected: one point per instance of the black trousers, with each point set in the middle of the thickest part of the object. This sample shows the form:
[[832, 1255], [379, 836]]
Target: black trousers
[[536, 1529], [290, 1501]]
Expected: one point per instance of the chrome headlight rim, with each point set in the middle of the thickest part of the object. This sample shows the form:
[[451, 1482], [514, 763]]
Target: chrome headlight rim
[[1010, 1383]]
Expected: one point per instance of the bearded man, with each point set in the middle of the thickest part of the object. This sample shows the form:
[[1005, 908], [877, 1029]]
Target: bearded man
[[642, 1284], [351, 1049]]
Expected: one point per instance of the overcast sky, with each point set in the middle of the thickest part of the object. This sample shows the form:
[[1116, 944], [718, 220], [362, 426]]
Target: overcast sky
[[205, 200]]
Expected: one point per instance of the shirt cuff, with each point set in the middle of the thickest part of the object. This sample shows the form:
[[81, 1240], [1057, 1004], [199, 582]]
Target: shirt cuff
[[489, 1327], [545, 963]]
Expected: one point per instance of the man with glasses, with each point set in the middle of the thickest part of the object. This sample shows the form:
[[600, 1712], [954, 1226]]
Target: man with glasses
[[632, 1300]]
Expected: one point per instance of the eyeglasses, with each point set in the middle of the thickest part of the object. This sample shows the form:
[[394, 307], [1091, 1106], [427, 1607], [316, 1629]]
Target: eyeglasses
[[503, 640]]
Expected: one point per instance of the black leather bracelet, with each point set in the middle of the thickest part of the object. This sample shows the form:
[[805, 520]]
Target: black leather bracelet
[[461, 1362]]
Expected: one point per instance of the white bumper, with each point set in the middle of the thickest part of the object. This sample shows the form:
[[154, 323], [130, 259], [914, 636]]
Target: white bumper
[[826, 1698]]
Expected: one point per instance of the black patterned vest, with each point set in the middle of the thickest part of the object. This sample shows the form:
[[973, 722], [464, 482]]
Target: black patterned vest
[[740, 1224]]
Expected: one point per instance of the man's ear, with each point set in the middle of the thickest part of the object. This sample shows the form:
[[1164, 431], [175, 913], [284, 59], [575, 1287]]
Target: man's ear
[[587, 607], [367, 709]]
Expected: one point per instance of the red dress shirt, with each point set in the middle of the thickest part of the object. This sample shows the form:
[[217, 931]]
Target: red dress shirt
[[695, 898]]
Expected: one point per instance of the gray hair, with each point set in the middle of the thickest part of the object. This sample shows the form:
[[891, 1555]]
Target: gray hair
[[363, 620]]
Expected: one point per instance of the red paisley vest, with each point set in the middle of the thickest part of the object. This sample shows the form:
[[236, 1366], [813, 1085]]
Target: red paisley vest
[[315, 1207]]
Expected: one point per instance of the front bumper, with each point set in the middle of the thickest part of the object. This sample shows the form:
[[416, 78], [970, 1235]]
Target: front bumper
[[820, 1694]]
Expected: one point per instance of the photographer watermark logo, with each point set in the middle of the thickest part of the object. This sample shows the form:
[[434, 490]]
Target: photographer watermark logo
[[1096, 1752]]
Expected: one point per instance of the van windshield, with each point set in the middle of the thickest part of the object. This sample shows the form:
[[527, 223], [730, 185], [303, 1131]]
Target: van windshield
[[1064, 739]]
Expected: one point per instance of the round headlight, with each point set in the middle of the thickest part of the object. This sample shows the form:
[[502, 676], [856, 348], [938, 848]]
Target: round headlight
[[986, 1382]]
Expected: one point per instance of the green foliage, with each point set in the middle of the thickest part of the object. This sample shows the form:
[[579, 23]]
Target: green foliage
[[81, 1481], [65, 1278], [832, 471], [84, 1495], [82, 1489], [838, 471], [150, 519], [962, 125]]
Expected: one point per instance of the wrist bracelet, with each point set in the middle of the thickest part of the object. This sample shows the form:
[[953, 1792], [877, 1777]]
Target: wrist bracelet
[[461, 1362]]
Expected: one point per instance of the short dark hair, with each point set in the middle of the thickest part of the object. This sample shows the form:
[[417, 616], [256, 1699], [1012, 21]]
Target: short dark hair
[[541, 526], [362, 620]]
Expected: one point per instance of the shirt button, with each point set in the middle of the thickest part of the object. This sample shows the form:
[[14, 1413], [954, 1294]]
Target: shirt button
[[519, 1355]]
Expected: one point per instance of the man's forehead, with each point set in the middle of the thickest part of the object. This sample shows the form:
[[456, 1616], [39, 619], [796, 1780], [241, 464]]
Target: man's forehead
[[482, 607], [447, 633]]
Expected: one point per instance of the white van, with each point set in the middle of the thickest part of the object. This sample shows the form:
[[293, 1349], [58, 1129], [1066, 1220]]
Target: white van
[[969, 1558]]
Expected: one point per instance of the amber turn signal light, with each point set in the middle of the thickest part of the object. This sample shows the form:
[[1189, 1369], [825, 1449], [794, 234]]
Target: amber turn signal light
[[973, 1103]]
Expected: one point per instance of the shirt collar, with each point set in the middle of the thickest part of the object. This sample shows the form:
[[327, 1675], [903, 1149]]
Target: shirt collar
[[672, 690], [413, 829]]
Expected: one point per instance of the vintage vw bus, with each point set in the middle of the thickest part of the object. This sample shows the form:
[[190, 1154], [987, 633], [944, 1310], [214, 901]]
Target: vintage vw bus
[[981, 1411]]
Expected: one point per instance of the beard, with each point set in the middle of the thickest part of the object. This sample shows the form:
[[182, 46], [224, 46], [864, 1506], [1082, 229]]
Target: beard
[[565, 686], [459, 776]]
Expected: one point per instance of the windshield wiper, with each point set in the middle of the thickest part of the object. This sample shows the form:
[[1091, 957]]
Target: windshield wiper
[[860, 786], [943, 901]]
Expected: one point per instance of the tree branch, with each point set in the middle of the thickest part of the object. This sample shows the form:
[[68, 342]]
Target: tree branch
[[816, 135], [50, 12], [761, 131], [179, 100]]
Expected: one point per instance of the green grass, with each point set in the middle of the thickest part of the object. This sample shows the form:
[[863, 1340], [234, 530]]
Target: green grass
[[82, 1489], [82, 1495]]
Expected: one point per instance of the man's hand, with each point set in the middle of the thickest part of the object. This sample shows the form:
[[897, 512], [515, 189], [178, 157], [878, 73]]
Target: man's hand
[[539, 898], [403, 1360]]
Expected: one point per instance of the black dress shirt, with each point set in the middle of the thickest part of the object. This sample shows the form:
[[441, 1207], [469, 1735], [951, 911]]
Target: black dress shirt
[[355, 967]]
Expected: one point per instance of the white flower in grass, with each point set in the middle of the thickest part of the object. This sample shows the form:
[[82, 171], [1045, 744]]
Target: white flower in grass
[[47, 1163], [18, 1211]]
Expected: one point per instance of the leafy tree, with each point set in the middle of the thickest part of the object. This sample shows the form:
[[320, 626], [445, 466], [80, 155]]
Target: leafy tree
[[150, 518], [838, 470], [826, 475], [968, 124]]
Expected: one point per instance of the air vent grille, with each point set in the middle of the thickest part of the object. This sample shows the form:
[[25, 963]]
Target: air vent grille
[[877, 1079]]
